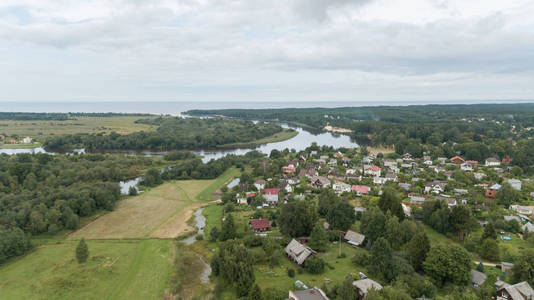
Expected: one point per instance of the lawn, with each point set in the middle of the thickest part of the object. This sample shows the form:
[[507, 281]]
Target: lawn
[[132, 269], [207, 193], [40, 129], [277, 276], [161, 212]]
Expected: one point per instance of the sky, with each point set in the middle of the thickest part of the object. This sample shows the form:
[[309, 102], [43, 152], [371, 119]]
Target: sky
[[257, 50]]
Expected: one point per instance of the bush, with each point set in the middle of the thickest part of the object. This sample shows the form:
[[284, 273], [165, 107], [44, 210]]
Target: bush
[[361, 259], [132, 191], [291, 273], [315, 265], [342, 255], [252, 240], [199, 237]]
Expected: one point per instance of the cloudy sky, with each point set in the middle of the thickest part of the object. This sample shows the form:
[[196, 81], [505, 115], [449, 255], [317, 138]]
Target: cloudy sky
[[257, 50]]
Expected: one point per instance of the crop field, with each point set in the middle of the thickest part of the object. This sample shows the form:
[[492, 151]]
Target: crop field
[[160, 212], [40, 129], [127, 269]]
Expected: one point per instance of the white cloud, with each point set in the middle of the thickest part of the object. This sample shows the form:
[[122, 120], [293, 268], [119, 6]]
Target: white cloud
[[264, 50]]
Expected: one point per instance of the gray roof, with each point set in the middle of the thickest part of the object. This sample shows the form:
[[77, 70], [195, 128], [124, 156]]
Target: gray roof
[[309, 294], [298, 252], [365, 285], [519, 291], [478, 278], [528, 227], [354, 238]]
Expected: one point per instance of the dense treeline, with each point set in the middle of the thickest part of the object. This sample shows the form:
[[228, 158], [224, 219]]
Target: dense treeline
[[25, 116], [46, 193], [172, 133], [474, 131]]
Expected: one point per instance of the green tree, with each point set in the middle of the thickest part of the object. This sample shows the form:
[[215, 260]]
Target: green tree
[[314, 265], [507, 195], [297, 218], [417, 250], [461, 221], [394, 234], [523, 269], [489, 250], [489, 232], [214, 234], [381, 259], [228, 230], [389, 201], [255, 293], [82, 252], [372, 224], [346, 290], [341, 216], [318, 238], [448, 263]]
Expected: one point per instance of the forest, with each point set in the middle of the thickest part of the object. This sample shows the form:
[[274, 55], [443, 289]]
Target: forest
[[173, 133]]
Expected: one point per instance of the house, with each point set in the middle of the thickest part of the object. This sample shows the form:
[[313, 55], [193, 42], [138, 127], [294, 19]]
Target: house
[[364, 286], [379, 180], [389, 163], [515, 183], [528, 227], [405, 186], [271, 195], [284, 185], [417, 200], [506, 267], [435, 187], [442, 160], [477, 278], [290, 169], [361, 189], [492, 162], [391, 177], [320, 182], [293, 163], [407, 156], [520, 209], [242, 201], [332, 162], [395, 170], [457, 160], [459, 192], [518, 291], [451, 202], [260, 184], [506, 160], [308, 294], [260, 225], [27, 140], [466, 167], [491, 192], [407, 210], [372, 171], [292, 180], [345, 160], [354, 238], [308, 173], [298, 252], [366, 160], [479, 176], [341, 187], [358, 209], [474, 163]]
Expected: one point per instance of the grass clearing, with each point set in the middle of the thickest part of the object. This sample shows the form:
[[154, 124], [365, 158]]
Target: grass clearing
[[127, 269], [160, 212], [40, 129]]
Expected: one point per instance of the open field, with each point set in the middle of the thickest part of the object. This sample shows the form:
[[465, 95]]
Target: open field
[[160, 212], [128, 269], [40, 129]]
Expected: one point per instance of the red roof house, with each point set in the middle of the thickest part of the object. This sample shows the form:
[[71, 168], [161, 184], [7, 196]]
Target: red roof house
[[260, 225], [457, 160], [361, 189]]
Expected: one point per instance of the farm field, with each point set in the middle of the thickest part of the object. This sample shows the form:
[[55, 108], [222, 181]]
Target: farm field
[[38, 129], [160, 212], [116, 269]]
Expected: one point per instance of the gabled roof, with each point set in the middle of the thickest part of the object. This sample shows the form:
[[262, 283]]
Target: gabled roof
[[271, 191], [477, 277], [260, 223], [298, 252], [354, 238], [365, 285], [519, 291], [363, 189]]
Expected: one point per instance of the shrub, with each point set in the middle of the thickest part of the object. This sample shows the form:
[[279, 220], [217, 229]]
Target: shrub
[[361, 259], [315, 265], [291, 273], [342, 255], [199, 237]]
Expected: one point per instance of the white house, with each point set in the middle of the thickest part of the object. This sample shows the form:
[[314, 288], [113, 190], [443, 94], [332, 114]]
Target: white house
[[341, 187], [515, 183], [259, 184], [372, 171], [520, 209], [27, 140], [435, 187], [492, 162], [379, 180]]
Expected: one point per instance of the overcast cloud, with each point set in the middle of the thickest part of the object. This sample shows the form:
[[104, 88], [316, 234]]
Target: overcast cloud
[[256, 50]]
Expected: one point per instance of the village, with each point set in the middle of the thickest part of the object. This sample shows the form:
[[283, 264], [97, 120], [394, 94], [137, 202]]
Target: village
[[491, 191]]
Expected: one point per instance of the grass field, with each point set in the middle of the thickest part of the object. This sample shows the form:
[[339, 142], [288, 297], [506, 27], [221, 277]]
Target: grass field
[[131, 269], [40, 129], [160, 212]]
